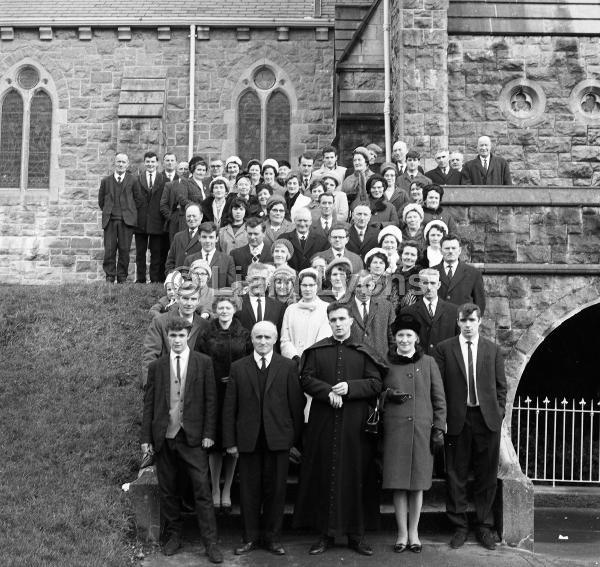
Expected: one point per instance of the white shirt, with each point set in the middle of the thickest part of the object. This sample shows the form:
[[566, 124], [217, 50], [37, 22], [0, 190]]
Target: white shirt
[[359, 304], [218, 211], [210, 255], [465, 355], [301, 236], [483, 160], [267, 357], [119, 177], [329, 221], [339, 253], [254, 303], [447, 265], [150, 178], [258, 250], [389, 192], [433, 304], [184, 358]]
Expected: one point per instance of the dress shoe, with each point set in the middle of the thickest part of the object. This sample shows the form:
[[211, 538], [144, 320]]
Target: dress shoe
[[275, 548], [399, 547], [320, 546], [214, 553], [486, 538], [459, 538], [360, 546], [172, 545], [415, 547], [246, 548]]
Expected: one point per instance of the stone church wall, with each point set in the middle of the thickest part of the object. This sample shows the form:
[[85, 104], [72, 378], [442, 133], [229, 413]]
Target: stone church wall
[[557, 147], [57, 237]]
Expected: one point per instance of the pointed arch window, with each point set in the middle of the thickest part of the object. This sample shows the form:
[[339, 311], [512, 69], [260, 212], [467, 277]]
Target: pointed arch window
[[264, 117], [25, 132]]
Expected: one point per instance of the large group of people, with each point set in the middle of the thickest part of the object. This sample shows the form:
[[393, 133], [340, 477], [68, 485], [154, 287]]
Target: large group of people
[[300, 307]]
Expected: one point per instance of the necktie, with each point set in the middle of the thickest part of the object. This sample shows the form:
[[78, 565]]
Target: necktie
[[326, 227], [470, 376], [259, 313], [119, 179], [361, 235], [177, 358], [150, 182], [430, 310], [485, 163], [263, 363], [449, 272], [254, 258], [206, 256], [302, 241], [365, 314], [192, 232]]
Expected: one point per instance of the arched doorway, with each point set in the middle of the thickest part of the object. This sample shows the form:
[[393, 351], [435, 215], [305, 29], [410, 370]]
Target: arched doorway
[[556, 412]]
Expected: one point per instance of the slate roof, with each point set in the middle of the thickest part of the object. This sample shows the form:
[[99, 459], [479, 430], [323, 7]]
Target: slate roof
[[150, 12]]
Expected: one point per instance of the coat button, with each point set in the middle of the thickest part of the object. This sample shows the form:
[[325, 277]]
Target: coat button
[[410, 419]]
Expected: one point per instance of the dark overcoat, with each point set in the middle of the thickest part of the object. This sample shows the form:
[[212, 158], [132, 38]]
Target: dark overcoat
[[407, 458], [334, 495]]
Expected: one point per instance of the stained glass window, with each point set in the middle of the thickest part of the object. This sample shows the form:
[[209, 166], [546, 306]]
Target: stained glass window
[[11, 140], [278, 127], [40, 134], [249, 126]]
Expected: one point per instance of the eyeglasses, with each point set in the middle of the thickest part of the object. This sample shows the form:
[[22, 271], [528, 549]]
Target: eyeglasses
[[278, 210]]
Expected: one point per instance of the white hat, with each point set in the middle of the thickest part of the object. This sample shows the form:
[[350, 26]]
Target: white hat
[[410, 208], [390, 230], [272, 163], [173, 278], [374, 251], [233, 159], [438, 223]]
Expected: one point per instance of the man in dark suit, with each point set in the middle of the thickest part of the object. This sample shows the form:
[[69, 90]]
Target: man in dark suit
[[372, 316], [362, 237], [323, 225], [306, 243], [223, 269], [256, 306], [186, 242], [412, 173], [155, 342], [461, 283], [472, 370], [179, 424], [150, 233], [443, 174], [338, 238], [436, 317], [119, 198], [262, 420], [253, 252], [486, 169]]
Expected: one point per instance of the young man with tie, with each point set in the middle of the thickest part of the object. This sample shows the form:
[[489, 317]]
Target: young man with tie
[[472, 370], [179, 424], [253, 252]]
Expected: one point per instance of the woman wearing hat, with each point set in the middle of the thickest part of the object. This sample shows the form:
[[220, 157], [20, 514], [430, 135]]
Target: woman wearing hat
[[263, 193], [433, 233], [405, 287], [282, 285], [355, 184], [281, 252], [415, 195], [394, 194], [377, 263], [233, 166], [331, 183], [337, 279], [412, 216], [269, 171], [254, 169], [390, 239], [276, 222], [304, 322], [225, 340], [383, 213], [200, 273], [414, 422], [432, 207], [242, 190]]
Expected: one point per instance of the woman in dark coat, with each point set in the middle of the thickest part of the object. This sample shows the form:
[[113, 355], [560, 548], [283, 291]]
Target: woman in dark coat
[[432, 207], [414, 424], [225, 341], [383, 212]]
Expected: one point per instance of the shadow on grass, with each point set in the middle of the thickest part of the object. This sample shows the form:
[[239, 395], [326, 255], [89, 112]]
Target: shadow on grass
[[71, 406]]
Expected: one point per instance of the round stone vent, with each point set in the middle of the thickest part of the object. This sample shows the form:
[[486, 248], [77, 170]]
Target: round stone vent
[[523, 102], [585, 100], [264, 78], [28, 77]]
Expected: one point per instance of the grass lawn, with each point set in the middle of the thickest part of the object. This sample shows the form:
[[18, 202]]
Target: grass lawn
[[70, 403]]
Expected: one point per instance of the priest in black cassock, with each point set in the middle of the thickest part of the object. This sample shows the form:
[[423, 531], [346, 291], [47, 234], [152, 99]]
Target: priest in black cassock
[[336, 493]]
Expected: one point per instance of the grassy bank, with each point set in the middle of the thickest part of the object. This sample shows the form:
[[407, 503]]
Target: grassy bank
[[70, 409]]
